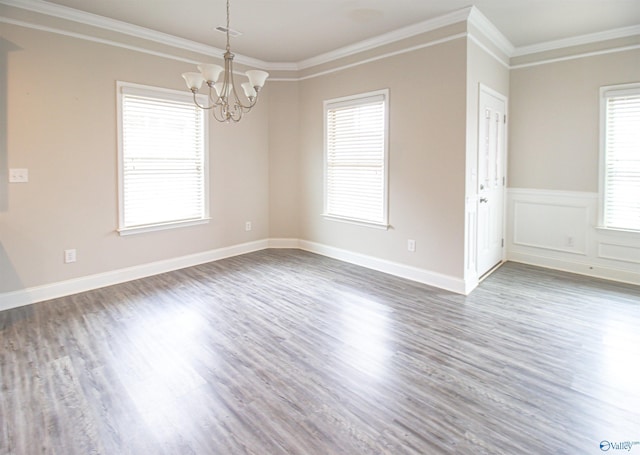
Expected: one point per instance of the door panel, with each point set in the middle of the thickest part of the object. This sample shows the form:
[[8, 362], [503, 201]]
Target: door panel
[[491, 180]]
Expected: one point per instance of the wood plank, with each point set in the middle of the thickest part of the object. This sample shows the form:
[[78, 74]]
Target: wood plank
[[287, 352]]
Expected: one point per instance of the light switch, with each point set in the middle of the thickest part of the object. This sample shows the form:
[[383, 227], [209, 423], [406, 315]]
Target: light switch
[[18, 175]]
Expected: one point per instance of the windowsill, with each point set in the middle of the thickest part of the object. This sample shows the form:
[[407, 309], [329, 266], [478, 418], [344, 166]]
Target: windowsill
[[369, 224], [624, 232], [161, 226]]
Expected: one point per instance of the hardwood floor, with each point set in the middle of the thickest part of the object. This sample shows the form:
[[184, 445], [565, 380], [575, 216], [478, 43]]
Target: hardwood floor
[[286, 352]]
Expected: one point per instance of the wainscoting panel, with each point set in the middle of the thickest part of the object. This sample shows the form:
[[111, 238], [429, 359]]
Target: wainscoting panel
[[557, 229], [619, 252], [551, 226]]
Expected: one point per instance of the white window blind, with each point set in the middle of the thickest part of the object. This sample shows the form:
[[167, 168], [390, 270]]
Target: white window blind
[[163, 159], [621, 198], [356, 158]]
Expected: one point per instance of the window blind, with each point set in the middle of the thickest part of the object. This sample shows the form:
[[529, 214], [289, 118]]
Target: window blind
[[622, 160], [355, 174], [163, 160]]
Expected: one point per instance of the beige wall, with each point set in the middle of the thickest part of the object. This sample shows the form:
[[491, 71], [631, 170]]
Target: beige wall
[[61, 125], [58, 119], [554, 126], [284, 126], [426, 157]]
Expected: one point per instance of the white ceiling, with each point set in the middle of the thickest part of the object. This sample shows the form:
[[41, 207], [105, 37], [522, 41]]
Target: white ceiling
[[296, 30]]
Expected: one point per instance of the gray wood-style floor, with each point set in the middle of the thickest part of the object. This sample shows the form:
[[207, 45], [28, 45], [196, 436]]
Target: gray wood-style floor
[[286, 352]]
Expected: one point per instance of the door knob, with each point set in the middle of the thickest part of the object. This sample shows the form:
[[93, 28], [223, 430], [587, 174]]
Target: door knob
[[484, 199]]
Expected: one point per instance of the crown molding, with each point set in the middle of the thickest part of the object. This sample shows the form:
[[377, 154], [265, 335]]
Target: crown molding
[[470, 14], [387, 38], [590, 38], [490, 31], [94, 20]]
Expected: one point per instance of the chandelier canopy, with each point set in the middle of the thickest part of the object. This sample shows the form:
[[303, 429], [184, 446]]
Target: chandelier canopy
[[225, 105]]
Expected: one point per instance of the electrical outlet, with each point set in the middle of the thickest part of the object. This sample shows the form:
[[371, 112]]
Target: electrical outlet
[[411, 245], [18, 175], [247, 226], [69, 256]]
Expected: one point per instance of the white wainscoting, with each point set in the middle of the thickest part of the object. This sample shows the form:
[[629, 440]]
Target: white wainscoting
[[557, 229]]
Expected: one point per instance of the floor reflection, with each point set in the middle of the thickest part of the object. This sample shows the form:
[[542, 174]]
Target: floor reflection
[[365, 331]]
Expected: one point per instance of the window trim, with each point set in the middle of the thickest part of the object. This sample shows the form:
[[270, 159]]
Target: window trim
[[606, 92], [123, 88], [352, 100]]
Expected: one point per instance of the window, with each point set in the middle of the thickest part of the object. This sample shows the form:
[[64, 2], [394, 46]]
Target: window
[[620, 157], [356, 156], [162, 159]]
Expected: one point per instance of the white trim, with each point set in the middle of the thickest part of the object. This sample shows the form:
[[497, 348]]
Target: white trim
[[160, 226], [490, 31], [575, 56], [580, 40], [586, 196], [87, 283], [606, 92], [92, 39], [577, 267], [387, 38], [470, 14], [50, 291], [488, 51], [59, 289], [341, 219], [94, 20], [419, 275], [384, 56]]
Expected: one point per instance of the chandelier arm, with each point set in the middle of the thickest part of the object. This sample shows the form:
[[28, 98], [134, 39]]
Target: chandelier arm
[[215, 112], [237, 101], [235, 118], [195, 100]]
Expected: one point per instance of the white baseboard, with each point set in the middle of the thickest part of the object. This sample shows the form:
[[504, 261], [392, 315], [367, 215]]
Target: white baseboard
[[36, 294], [63, 288], [423, 276], [581, 268]]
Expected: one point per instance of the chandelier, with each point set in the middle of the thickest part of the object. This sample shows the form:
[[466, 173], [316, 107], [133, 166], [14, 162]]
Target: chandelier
[[225, 105]]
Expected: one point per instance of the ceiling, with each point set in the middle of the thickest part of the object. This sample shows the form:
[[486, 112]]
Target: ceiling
[[296, 30]]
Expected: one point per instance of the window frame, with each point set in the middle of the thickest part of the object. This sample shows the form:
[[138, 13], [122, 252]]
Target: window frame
[[605, 93], [128, 88], [354, 100]]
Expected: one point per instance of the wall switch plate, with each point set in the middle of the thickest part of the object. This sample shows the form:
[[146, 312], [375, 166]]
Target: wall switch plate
[[18, 175], [411, 245], [69, 256], [247, 226]]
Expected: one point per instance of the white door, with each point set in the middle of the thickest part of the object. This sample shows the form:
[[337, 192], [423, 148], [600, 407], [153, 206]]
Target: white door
[[491, 180]]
